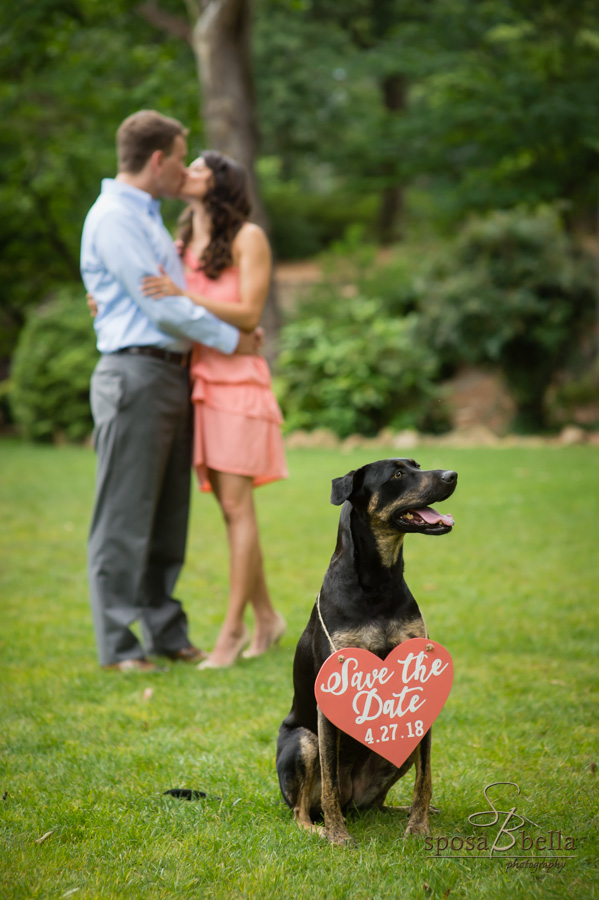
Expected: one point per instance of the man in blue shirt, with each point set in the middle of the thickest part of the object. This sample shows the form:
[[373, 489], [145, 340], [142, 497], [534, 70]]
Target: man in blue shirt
[[140, 400]]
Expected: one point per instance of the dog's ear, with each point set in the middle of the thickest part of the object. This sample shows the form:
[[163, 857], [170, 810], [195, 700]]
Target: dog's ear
[[342, 488]]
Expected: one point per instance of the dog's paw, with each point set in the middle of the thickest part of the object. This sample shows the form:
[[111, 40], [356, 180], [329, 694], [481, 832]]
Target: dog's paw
[[340, 838], [312, 829], [422, 828]]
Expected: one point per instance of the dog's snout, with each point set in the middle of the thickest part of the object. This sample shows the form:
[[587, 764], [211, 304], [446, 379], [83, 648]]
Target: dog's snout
[[449, 477]]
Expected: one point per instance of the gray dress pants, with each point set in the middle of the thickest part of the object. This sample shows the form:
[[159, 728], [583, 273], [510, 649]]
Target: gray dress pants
[[143, 439]]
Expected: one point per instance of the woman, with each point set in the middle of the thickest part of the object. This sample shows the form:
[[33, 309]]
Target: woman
[[237, 439]]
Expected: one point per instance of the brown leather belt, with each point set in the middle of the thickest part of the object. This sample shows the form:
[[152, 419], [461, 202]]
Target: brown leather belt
[[180, 359]]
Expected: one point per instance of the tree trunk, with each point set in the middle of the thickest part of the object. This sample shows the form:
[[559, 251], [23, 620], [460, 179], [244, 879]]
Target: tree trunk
[[391, 209], [220, 38], [221, 43]]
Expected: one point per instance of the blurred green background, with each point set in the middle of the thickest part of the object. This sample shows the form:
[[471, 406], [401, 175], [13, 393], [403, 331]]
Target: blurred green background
[[390, 124]]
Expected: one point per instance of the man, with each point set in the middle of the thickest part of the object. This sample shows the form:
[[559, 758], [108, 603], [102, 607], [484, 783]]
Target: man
[[140, 400]]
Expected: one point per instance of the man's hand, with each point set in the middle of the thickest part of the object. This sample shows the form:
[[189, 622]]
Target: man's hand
[[249, 344], [92, 306]]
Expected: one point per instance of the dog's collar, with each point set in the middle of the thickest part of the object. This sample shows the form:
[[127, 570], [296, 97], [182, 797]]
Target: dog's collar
[[324, 627]]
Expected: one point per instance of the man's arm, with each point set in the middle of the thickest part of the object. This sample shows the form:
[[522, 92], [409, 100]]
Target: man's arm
[[126, 253]]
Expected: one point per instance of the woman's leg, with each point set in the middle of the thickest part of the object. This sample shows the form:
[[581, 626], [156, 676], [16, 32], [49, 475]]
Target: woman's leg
[[247, 581]]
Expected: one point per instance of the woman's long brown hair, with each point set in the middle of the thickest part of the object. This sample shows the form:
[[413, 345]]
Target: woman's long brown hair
[[228, 204]]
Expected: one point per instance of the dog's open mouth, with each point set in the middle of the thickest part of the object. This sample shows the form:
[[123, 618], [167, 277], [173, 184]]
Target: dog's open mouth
[[427, 519]]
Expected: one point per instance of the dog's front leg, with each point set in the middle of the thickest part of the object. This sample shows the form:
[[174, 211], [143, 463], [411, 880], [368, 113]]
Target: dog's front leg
[[334, 822], [305, 800], [423, 788]]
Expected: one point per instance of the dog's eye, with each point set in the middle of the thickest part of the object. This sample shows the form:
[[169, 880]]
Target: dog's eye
[[397, 474]]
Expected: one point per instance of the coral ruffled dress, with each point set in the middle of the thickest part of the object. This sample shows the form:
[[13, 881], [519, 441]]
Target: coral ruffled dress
[[237, 420]]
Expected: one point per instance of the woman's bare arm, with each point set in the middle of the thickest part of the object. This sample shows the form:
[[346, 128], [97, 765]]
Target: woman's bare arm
[[251, 253]]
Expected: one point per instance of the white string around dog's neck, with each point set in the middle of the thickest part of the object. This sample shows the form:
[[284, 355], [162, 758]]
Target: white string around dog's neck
[[324, 627]]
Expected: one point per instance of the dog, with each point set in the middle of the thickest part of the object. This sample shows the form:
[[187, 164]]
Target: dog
[[364, 602]]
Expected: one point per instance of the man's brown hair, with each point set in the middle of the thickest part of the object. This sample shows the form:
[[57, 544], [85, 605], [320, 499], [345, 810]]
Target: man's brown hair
[[143, 133]]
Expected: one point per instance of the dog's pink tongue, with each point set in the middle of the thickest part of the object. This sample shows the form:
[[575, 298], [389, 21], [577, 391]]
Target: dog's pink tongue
[[432, 517]]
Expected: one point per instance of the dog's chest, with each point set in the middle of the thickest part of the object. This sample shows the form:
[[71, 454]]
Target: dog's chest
[[379, 637]]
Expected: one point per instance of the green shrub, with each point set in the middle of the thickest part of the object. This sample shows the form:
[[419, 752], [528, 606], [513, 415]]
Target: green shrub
[[345, 364], [350, 357], [512, 291], [515, 292], [575, 396], [51, 369]]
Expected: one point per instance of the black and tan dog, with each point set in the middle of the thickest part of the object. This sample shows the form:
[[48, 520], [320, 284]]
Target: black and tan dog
[[364, 602]]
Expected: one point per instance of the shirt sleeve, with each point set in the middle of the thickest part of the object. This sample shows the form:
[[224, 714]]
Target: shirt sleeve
[[127, 254]]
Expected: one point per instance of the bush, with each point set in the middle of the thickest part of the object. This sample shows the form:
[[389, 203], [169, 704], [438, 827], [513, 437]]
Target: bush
[[574, 397], [51, 369], [514, 292], [347, 364]]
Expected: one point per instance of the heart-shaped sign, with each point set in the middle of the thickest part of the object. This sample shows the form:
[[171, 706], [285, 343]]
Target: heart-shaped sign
[[390, 704]]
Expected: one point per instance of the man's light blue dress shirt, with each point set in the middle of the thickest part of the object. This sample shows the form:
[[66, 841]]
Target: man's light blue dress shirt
[[124, 239]]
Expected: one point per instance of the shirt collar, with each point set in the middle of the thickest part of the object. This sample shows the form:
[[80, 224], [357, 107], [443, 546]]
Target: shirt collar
[[141, 198]]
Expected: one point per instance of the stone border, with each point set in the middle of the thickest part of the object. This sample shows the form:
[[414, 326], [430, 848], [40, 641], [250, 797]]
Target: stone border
[[477, 436]]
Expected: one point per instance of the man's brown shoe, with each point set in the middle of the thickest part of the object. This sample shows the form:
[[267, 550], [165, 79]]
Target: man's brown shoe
[[135, 665], [189, 654]]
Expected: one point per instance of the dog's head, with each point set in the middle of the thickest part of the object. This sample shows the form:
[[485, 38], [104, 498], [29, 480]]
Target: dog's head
[[396, 495]]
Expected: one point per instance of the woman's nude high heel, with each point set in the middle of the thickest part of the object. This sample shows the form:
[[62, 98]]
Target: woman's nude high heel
[[236, 648], [275, 636]]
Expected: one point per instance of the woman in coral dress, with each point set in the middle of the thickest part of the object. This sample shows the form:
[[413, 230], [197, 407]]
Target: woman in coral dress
[[237, 441]]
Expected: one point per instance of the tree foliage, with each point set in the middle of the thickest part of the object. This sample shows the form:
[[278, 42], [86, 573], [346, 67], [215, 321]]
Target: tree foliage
[[70, 71], [513, 292], [499, 107], [506, 115]]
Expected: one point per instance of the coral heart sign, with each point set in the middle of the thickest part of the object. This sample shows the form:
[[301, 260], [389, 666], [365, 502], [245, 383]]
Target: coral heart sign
[[390, 704]]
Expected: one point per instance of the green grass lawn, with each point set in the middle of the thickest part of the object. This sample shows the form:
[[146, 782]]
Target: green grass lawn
[[86, 754]]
